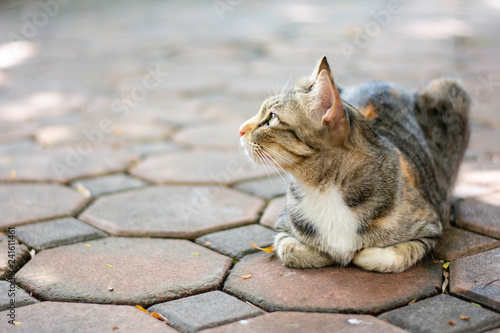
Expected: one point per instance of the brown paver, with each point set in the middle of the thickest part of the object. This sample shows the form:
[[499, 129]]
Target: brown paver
[[49, 317], [476, 278], [329, 289], [456, 243], [173, 211], [198, 167], [272, 212], [479, 214], [63, 164], [212, 136], [24, 203], [290, 322], [123, 271]]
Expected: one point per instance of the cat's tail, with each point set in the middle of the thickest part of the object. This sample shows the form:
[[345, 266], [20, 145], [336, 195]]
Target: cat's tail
[[394, 259], [442, 111]]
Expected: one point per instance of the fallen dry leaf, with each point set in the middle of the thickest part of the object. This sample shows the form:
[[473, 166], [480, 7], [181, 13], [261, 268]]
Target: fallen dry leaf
[[208, 243], [158, 316], [83, 190], [452, 323], [17, 323], [446, 265], [464, 317], [114, 328], [108, 265], [142, 309], [244, 277], [195, 254], [13, 174], [269, 249], [88, 245]]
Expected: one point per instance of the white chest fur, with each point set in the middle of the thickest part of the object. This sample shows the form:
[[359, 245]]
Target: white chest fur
[[335, 222]]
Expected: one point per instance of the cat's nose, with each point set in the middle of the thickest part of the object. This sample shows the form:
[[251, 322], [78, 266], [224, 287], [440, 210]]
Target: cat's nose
[[242, 130]]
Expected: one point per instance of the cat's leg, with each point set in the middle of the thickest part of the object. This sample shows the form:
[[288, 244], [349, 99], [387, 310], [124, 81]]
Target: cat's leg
[[393, 259], [295, 254]]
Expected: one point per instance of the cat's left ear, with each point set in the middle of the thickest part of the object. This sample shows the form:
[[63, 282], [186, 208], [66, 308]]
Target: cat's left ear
[[326, 105]]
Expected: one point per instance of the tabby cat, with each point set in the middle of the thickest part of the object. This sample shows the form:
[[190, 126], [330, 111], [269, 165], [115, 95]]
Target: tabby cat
[[371, 168]]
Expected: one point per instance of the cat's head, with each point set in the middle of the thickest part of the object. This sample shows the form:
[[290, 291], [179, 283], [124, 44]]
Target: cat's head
[[295, 126]]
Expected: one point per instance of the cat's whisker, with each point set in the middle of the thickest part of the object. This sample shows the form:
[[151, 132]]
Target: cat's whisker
[[263, 161], [278, 155], [286, 84], [275, 165]]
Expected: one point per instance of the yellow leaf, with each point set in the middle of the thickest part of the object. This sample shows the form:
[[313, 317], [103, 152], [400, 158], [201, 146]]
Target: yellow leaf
[[16, 323], [244, 277], [158, 316], [83, 190], [142, 309], [464, 317], [13, 174], [195, 254], [108, 265], [88, 245], [446, 265], [269, 249]]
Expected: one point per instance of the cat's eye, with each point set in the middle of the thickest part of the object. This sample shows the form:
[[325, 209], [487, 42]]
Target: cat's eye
[[272, 120]]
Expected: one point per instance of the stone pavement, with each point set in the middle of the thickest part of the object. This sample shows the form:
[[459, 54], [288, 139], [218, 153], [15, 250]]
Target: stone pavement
[[126, 202]]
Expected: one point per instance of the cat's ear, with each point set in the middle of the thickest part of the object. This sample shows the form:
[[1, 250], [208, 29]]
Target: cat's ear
[[321, 66], [326, 104]]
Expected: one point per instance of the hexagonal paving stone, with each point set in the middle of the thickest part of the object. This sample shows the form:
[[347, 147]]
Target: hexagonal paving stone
[[153, 148], [350, 289], [220, 136], [266, 188], [10, 131], [198, 167], [24, 203], [296, 322], [215, 308], [476, 277], [43, 235], [123, 271], [117, 132], [236, 242], [9, 291], [173, 211], [435, 314], [49, 317], [63, 164], [456, 243], [479, 214], [107, 184], [272, 212], [19, 253]]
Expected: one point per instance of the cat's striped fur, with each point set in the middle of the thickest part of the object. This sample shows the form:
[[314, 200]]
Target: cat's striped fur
[[371, 168]]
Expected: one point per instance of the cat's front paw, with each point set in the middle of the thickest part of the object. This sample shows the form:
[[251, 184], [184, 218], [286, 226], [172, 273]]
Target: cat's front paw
[[294, 254]]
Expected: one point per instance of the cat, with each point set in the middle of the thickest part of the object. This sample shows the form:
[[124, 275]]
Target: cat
[[371, 168]]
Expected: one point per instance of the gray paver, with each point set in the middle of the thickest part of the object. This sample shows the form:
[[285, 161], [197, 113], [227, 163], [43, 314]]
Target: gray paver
[[476, 278], [354, 290], [138, 270], [108, 184], [211, 136], [12, 256], [296, 322], [50, 317], [43, 235], [173, 211], [24, 203], [207, 310], [443, 313], [266, 188], [153, 148], [235, 242], [11, 296]]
